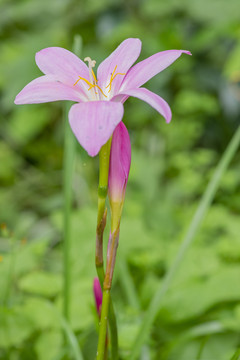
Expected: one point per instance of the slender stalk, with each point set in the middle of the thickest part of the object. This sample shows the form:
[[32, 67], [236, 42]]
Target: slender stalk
[[73, 341], [236, 356], [69, 334], [103, 325], [127, 283], [68, 165], [112, 318], [101, 222], [111, 256], [203, 206]]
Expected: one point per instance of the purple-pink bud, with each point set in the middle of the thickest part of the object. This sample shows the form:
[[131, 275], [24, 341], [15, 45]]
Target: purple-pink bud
[[120, 161], [97, 295]]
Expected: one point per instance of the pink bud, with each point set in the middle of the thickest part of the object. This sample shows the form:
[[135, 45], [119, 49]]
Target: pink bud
[[97, 295], [120, 161]]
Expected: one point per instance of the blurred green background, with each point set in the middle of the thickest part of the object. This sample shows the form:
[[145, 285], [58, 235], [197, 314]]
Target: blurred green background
[[171, 166]]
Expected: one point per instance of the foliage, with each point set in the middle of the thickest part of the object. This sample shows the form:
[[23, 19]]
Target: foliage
[[171, 165]]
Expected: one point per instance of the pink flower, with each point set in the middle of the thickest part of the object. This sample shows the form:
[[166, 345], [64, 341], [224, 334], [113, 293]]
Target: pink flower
[[97, 295], [100, 99], [119, 166]]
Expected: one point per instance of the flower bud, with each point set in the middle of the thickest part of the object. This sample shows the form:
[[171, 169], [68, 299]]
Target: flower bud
[[120, 161], [97, 295]]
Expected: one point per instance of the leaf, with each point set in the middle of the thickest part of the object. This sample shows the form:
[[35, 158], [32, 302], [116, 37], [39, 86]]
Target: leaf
[[9, 162], [26, 123], [51, 341], [214, 347], [42, 313], [81, 303], [41, 283], [191, 300], [236, 356], [190, 102], [15, 327]]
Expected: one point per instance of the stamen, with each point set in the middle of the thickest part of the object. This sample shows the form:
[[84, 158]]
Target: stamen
[[91, 86], [93, 80], [100, 90], [112, 78], [81, 78], [94, 77]]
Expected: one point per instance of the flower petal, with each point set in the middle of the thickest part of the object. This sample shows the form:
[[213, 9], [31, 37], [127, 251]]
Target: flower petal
[[152, 99], [146, 69], [47, 89], [62, 63], [124, 56], [93, 123]]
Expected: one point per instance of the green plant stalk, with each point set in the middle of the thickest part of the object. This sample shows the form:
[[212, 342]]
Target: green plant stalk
[[236, 356], [112, 249], [73, 342], [69, 334], [68, 165], [103, 325], [202, 208], [101, 222], [127, 283]]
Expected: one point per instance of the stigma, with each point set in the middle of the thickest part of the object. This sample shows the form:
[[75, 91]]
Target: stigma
[[91, 65]]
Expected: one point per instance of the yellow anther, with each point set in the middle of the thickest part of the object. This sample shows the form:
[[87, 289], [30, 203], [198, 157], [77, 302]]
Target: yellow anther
[[93, 80], [81, 78], [113, 77]]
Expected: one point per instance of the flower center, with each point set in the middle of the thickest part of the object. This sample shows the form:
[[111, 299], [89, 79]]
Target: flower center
[[93, 80]]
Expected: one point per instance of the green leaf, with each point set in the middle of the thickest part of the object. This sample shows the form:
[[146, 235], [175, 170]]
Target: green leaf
[[48, 345], [81, 303], [236, 356], [214, 347], [15, 327], [41, 283], [42, 313], [192, 299], [26, 123]]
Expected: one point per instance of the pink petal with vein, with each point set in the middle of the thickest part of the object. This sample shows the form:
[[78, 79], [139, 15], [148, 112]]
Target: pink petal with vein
[[152, 99], [124, 57], [47, 89], [64, 64], [146, 69], [94, 122]]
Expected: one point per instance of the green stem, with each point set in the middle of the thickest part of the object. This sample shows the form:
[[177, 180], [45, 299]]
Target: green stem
[[236, 355], [73, 341], [101, 222], [203, 206], [68, 165], [112, 318], [127, 283], [112, 249], [103, 325]]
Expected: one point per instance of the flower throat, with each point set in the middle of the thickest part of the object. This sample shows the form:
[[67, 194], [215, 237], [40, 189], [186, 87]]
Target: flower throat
[[93, 80]]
